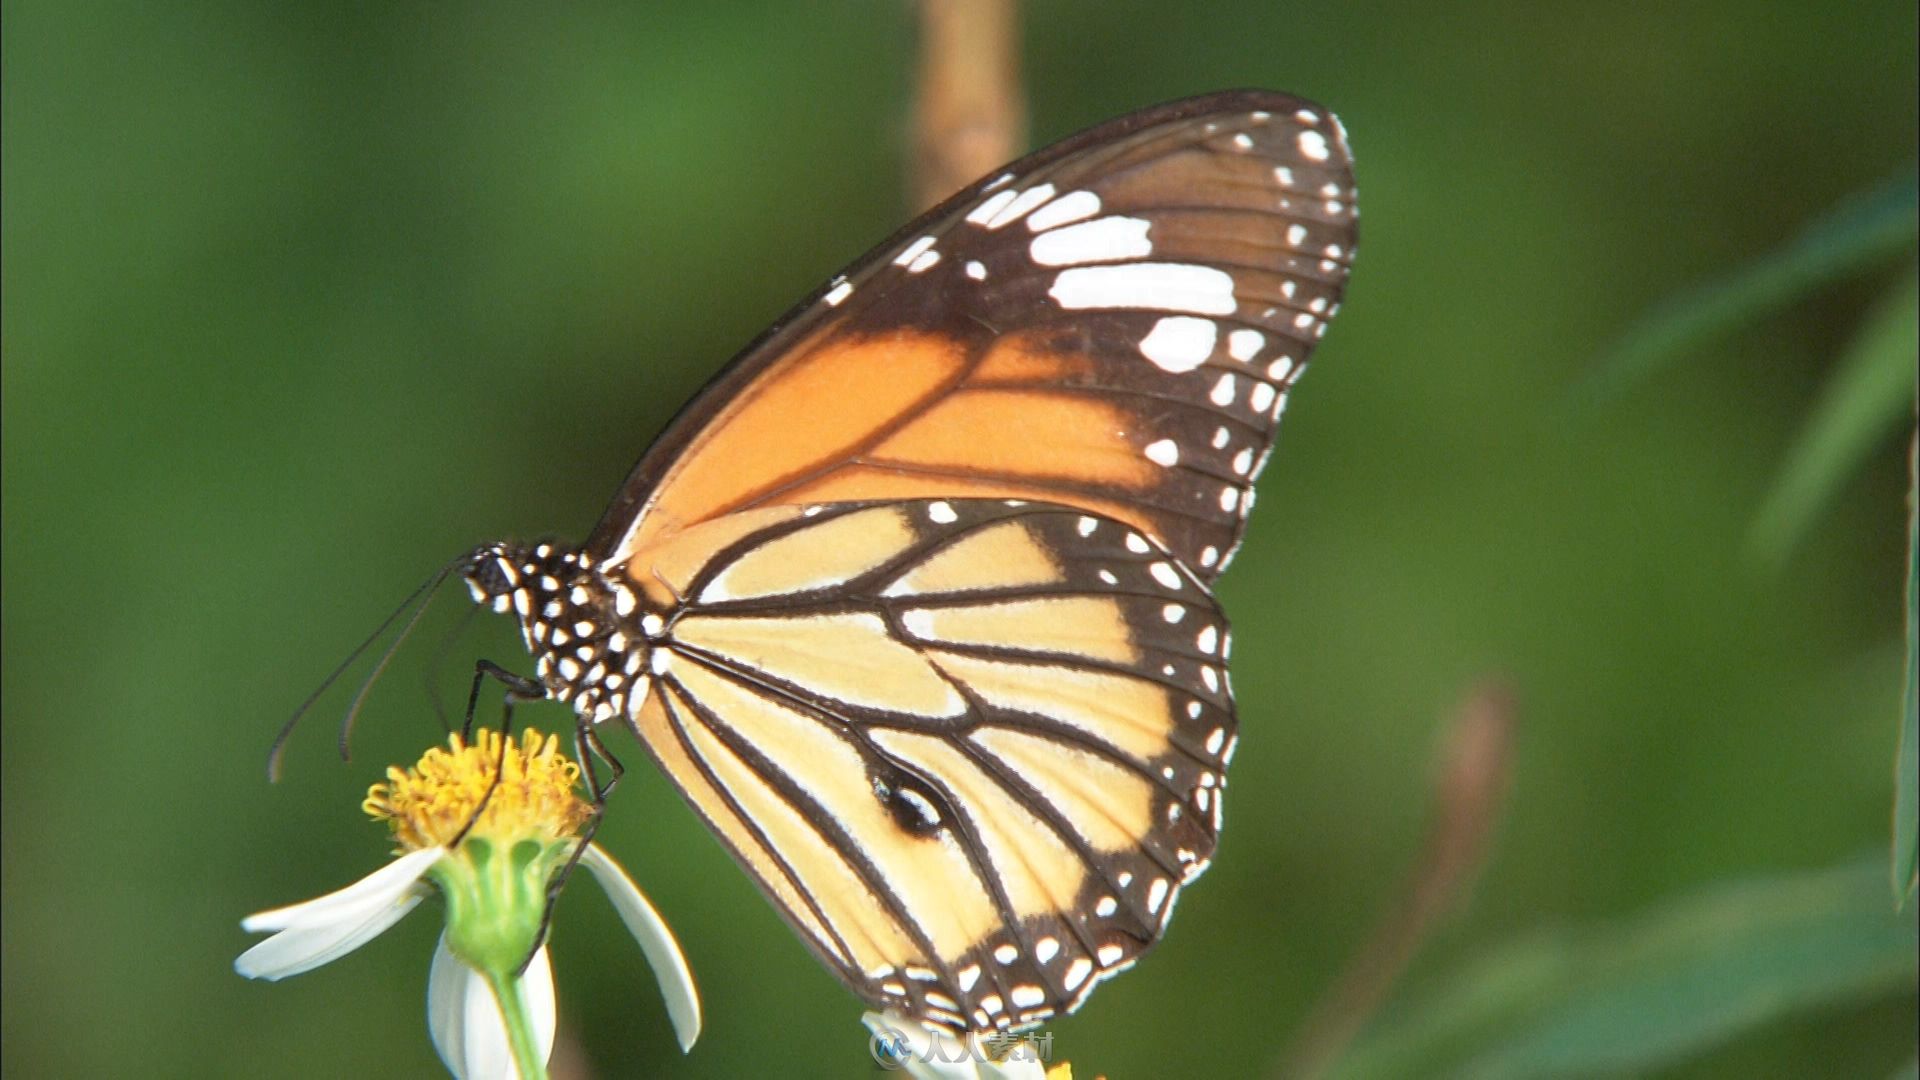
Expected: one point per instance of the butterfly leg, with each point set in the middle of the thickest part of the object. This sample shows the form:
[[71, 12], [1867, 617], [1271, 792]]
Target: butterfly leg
[[519, 689], [586, 746]]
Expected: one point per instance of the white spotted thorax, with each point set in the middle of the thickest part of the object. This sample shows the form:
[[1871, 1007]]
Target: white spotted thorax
[[588, 635]]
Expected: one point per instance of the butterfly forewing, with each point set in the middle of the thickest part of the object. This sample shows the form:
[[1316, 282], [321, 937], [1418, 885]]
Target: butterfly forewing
[[972, 748], [1112, 324]]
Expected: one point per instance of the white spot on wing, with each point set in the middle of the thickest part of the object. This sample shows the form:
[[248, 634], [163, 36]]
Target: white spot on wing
[[986, 210], [1245, 344], [942, 513], [1107, 239], [976, 270], [1222, 394], [1065, 210], [1178, 343], [838, 293], [1163, 452], [1202, 290], [913, 251], [1313, 145], [1018, 205], [1077, 972]]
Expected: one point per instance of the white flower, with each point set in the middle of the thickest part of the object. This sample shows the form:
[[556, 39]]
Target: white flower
[[488, 1019]]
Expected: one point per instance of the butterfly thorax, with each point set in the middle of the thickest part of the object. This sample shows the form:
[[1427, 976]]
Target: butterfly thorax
[[588, 634]]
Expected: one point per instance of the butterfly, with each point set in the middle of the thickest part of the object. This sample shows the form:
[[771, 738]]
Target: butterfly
[[913, 601]]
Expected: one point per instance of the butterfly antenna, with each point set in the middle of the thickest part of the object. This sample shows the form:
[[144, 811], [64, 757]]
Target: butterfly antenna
[[366, 685], [427, 587]]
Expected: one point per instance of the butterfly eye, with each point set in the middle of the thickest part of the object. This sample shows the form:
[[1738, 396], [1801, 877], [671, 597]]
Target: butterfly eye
[[490, 574]]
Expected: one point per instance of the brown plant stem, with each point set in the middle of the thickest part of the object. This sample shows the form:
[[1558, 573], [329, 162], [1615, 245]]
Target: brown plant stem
[[969, 110], [1468, 796]]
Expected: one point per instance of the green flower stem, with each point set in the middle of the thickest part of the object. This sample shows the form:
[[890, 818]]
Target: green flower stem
[[509, 992], [496, 900]]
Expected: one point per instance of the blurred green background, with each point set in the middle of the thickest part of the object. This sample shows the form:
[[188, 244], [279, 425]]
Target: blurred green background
[[301, 300]]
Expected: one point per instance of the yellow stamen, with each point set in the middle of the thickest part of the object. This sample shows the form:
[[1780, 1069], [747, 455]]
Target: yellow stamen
[[429, 804]]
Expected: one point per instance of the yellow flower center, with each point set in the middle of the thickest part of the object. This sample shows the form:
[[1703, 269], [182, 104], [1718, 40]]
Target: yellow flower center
[[429, 804]]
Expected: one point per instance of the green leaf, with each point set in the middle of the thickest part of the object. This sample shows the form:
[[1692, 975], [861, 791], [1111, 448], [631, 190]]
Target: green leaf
[[1906, 770], [1869, 396], [1656, 989], [1854, 235], [1910, 1071]]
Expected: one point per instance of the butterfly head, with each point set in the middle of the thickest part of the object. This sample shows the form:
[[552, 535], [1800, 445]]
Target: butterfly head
[[584, 631]]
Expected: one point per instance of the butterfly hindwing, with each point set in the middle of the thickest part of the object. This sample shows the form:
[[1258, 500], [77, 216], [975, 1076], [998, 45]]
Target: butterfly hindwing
[[971, 748], [1112, 324]]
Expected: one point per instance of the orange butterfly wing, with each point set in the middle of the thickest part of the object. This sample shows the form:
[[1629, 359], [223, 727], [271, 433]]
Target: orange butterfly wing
[[1111, 324]]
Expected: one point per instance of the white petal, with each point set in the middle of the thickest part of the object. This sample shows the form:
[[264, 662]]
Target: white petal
[[656, 941], [376, 890], [306, 947], [465, 1020]]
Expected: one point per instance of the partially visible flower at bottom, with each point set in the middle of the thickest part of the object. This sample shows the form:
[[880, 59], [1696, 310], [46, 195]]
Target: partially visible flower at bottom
[[488, 1019], [925, 1053]]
